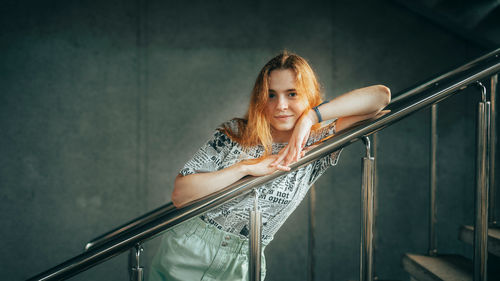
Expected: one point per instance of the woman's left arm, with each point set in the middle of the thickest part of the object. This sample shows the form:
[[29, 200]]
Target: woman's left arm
[[348, 108]]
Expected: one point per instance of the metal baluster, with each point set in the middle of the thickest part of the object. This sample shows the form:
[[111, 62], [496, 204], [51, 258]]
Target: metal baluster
[[137, 272], [366, 259], [312, 240], [493, 93], [255, 240], [433, 183], [374, 145], [482, 182]]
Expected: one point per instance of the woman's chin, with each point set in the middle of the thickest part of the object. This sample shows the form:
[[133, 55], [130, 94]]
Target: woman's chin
[[283, 128]]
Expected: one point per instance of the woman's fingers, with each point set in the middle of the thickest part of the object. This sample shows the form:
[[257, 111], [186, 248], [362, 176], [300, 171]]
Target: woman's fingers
[[281, 155], [291, 156], [304, 141], [309, 148], [283, 168], [382, 113], [284, 157], [278, 166], [292, 152], [299, 148], [296, 143]]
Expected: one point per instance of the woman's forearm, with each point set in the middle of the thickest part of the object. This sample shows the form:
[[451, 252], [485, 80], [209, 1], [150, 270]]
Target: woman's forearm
[[191, 187], [364, 101], [349, 108], [195, 186]]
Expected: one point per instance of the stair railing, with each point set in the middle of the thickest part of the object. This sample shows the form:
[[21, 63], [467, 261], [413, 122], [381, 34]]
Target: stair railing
[[482, 187], [493, 96], [150, 225]]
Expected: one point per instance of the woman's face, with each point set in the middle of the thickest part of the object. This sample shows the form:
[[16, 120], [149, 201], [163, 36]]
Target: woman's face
[[284, 107]]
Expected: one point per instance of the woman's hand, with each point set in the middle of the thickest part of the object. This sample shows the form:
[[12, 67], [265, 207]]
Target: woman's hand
[[294, 149], [262, 166], [349, 108], [192, 187]]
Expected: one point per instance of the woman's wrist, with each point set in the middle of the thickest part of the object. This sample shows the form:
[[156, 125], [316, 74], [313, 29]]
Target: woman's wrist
[[311, 115], [243, 168], [318, 116]]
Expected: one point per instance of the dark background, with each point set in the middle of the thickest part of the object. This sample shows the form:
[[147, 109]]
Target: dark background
[[102, 103]]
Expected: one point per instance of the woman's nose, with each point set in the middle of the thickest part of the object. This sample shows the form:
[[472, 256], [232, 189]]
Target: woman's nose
[[282, 103]]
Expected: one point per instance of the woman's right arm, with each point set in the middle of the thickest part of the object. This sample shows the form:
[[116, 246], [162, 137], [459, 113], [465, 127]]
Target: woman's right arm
[[191, 187]]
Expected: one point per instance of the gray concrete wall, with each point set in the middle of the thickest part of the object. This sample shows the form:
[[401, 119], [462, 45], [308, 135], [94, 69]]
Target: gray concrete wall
[[101, 104]]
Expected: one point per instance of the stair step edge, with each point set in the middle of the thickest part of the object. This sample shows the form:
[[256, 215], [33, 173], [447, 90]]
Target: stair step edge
[[441, 267]]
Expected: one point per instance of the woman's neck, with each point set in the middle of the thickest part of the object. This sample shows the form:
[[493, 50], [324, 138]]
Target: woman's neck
[[281, 136]]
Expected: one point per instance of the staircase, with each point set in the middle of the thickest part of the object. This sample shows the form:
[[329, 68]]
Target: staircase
[[420, 267], [454, 267]]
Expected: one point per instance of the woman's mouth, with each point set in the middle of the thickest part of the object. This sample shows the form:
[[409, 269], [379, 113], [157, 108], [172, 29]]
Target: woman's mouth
[[283, 117]]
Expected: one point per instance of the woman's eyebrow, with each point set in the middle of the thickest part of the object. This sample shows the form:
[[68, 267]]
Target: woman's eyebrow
[[289, 90]]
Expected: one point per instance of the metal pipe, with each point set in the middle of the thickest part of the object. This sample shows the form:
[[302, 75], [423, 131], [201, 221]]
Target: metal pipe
[[312, 230], [137, 271], [481, 198], [366, 258], [134, 224], [255, 241], [368, 146], [436, 81], [474, 70], [433, 182], [493, 215], [125, 240], [375, 201]]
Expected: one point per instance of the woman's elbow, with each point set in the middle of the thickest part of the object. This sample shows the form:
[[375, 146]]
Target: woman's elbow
[[176, 195], [384, 95], [175, 200]]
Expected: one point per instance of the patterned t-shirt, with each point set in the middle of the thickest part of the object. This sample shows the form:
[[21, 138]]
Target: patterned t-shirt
[[277, 199]]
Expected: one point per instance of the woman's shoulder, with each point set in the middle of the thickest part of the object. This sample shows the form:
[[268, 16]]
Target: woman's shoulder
[[223, 136], [233, 124], [233, 127]]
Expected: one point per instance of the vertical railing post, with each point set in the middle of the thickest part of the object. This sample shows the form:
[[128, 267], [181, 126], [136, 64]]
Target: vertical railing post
[[137, 271], [482, 182], [493, 138], [255, 241], [433, 182], [366, 258], [312, 240], [374, 144]]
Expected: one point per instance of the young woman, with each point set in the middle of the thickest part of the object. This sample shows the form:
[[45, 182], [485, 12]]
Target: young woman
[[283, 121]]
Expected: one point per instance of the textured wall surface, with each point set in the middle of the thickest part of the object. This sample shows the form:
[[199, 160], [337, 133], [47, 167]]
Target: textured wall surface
[[101, 104]]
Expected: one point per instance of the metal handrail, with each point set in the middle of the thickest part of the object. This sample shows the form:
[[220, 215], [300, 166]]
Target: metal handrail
[[137, 222], [165, 217], [168, 207], [446, 75]]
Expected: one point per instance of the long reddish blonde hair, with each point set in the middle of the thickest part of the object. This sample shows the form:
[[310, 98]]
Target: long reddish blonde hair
[[254, 128]]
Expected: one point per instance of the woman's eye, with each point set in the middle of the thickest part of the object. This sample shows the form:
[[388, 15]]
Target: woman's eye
[[292, 94], [271, 95]]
